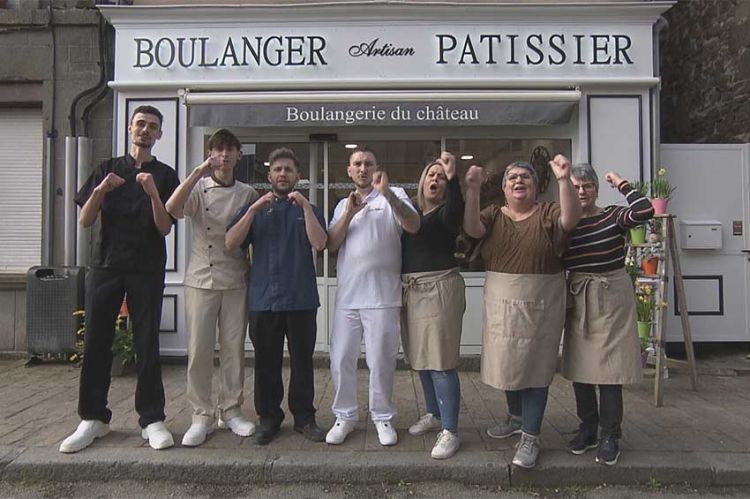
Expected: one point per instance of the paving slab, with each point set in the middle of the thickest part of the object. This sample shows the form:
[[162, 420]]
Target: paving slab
[[699, 437]]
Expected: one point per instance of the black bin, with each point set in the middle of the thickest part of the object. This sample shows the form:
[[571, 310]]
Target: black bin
[[52, 295]]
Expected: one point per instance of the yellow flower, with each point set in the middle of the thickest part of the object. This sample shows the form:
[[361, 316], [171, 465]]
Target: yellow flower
[[662, 172]]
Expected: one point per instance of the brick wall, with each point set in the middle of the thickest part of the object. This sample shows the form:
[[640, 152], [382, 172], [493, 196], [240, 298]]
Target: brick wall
[[705, 61], [26, 44]]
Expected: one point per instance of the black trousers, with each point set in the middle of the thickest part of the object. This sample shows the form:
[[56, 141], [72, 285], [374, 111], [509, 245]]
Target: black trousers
[[267, 331], [104, 293], [608, 414]]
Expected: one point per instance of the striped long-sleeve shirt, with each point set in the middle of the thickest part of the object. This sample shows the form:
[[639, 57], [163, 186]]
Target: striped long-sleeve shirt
[[597, 244]]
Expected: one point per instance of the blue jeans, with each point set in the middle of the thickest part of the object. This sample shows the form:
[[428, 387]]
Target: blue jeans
[[442, 395], [528, 404]]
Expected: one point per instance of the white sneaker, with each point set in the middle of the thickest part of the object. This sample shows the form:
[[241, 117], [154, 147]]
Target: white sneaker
[[158, 435], [426, 423], [446, 445], [339, 431], [196, 434], [386, 434], [88, 430], [239, 426]]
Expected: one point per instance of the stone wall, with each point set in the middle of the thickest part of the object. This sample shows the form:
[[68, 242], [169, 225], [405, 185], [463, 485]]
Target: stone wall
[[705, 60], [50, 55]]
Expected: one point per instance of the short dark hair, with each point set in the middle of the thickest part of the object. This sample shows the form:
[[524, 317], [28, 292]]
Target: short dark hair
[[364, 149], [283, 153], [148, 110], [224, 139]]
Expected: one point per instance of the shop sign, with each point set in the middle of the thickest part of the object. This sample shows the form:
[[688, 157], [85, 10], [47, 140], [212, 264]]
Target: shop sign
[[381, 114], [356, 53]]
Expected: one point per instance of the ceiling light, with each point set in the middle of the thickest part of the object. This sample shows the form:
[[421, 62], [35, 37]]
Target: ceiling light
[[266, 163], [351, 146], [467, 156]]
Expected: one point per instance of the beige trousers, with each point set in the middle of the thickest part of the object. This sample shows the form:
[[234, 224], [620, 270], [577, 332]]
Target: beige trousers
[[208, 312]]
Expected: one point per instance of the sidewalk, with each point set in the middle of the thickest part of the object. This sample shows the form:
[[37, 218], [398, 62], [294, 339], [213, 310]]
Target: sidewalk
[[702, 437]]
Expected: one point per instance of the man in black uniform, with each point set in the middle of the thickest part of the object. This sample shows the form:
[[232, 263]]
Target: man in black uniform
[[129, 258]]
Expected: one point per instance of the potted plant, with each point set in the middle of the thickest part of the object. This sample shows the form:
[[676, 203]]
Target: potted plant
[[650, 260], [638, 234], [661, 192], [631, 267], [123, 348], [644, 305]]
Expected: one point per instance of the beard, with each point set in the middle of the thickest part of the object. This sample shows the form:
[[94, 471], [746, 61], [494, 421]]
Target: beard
[[282, 191]]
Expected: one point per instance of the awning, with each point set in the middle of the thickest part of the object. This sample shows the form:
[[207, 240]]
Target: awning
[[337, 109]]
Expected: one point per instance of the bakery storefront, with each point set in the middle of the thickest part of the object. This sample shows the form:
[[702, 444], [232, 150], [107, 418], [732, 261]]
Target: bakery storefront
[[489, 83]]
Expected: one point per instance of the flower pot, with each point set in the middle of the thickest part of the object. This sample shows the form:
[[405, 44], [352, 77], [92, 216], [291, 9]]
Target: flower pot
[[638, 235], [649, 265], [660, 205], [644, 357], [644, 332]]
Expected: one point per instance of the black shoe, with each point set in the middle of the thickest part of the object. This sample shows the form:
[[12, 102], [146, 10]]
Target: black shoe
[[582, 442], [608, 452], [266, 431], [311, 431]]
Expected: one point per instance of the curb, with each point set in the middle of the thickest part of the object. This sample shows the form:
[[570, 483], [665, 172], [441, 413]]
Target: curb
[[556, 467]]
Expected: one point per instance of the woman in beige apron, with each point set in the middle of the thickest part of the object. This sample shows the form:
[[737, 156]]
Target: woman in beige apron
[[434, 301], [601, 345], [524, 293]]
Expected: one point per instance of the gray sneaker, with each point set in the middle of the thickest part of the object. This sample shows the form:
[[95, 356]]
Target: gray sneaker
[[511, 426], [528, 451]]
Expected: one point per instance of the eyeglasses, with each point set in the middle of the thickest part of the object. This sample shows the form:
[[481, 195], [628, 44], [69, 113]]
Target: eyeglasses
[[589, 186], [516, 176]]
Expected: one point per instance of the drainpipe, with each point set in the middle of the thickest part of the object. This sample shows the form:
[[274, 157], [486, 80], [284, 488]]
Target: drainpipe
[[48, 194], [83, 158], [71, 156], [77, 161]]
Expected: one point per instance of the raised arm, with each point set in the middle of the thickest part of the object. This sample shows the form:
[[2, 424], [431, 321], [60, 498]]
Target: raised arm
[[406, 215], [90, 209], [162, 219], [570, 207], [473, 226], [452, 213], [639, 208], [237, 233], [176, 203], [337, 233], [316, 234]]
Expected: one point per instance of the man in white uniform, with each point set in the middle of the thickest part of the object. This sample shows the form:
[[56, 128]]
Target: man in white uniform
[[366, 230]]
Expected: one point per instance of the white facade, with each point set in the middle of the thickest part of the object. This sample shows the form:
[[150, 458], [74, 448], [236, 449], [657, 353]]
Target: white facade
[[509, 80]]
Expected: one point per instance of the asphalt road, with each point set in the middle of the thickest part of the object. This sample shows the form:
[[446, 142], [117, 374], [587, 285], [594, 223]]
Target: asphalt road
[[148, 490]]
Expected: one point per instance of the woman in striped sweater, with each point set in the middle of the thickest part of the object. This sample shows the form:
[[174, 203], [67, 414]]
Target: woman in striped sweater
[[601, 345]]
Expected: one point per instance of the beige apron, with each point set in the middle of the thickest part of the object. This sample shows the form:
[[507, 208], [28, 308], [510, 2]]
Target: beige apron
[[523, 321], [601, 343], [431, 318]]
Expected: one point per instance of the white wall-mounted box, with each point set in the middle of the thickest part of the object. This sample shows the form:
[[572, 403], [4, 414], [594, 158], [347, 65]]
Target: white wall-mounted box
[[700, 234]]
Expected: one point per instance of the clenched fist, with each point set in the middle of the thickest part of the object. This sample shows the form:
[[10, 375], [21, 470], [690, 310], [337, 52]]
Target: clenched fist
[[474, 176], [560, 167], [449, 164], [147, 182], [111, 182]]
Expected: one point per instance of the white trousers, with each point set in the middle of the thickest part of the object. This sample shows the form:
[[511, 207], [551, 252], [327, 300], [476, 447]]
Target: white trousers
[[381, 329], [205, 309]]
